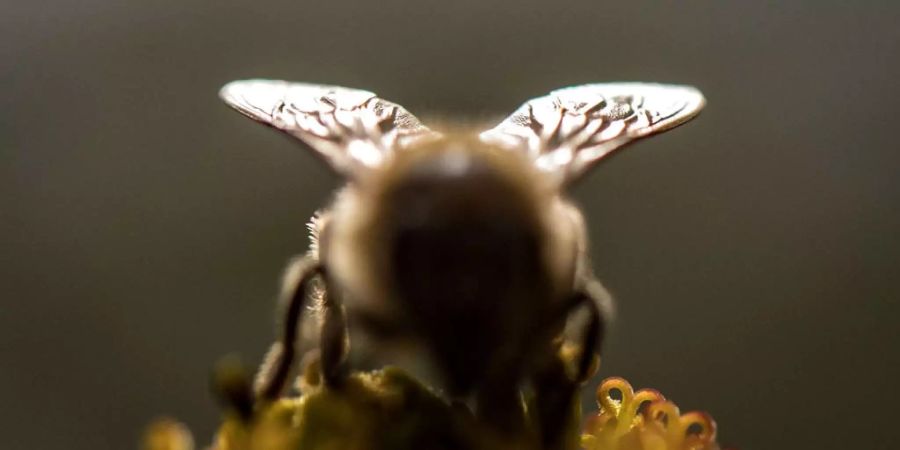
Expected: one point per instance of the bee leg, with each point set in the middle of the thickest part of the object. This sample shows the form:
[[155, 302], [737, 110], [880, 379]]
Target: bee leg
[[333, 340], [598, 303], [555, 397], [273, 375], [555, 389]]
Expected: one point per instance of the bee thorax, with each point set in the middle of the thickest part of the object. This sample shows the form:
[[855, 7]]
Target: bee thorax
[[456, 246]]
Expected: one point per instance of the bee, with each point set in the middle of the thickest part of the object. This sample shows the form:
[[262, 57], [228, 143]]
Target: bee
[[464, 243]]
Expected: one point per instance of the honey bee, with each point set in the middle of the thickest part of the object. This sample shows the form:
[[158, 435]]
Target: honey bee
[[463, 243]]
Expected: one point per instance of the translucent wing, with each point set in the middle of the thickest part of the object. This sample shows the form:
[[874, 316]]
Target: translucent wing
[[570, 129], [352, 129]]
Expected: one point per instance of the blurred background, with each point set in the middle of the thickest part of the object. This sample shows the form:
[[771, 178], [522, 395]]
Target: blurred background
[[753, 252]]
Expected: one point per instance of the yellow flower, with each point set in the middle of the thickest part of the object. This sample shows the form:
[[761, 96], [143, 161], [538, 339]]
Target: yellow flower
[[644, 420], [384, 409], [388, 409], [167, 434]]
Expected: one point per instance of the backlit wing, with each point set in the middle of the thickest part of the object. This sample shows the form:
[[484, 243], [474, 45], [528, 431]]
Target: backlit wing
[[352, 129], [571, 129]]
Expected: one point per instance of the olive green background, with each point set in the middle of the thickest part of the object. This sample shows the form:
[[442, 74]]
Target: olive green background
[[753, 252]]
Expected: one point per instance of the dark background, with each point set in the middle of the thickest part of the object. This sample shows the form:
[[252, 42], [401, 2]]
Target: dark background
[[753, 252]]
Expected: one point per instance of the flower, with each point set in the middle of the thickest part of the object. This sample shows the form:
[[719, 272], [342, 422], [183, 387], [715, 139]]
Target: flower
[[167, 434], [389, 409], [644, 420]]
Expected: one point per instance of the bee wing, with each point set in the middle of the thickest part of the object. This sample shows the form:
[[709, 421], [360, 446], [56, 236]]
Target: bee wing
[[571, 129], [352, 129]]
